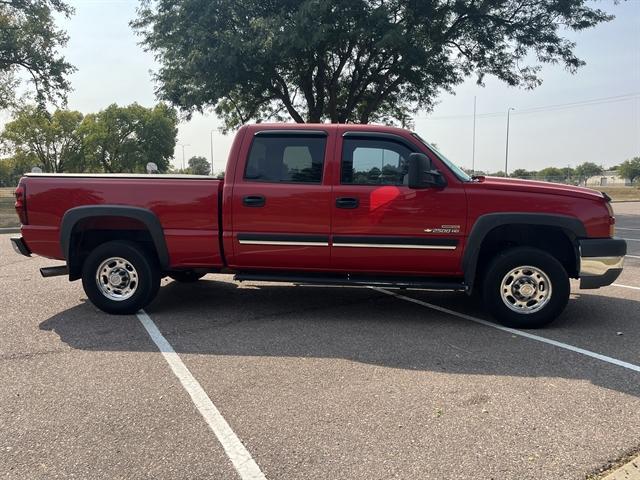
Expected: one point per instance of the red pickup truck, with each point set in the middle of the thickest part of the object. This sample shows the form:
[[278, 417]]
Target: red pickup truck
[[357, 205]]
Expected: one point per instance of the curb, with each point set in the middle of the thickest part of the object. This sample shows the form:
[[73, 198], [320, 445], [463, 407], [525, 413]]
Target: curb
[[10, 230], [629, 471]]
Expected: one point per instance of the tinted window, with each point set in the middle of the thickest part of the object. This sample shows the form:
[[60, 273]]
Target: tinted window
[[374, 162], [292, 159]]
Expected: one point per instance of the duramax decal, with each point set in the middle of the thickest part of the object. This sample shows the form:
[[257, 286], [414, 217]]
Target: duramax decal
[[444, 229]]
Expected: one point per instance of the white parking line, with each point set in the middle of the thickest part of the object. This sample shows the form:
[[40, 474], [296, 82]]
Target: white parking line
[[632, 256], [625, 286], [631, 229], [631, 239], [513, 331], [244, 464]]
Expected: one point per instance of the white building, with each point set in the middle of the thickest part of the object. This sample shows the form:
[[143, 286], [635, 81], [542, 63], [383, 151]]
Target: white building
[[607, 179]]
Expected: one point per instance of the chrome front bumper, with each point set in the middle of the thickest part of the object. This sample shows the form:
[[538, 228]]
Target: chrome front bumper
[[601, 261]]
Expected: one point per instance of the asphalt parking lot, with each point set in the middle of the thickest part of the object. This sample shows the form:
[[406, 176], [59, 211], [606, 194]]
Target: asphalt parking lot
[[316, 383]]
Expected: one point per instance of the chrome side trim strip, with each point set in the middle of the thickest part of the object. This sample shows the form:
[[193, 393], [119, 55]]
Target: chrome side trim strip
[[284, 243], [395, 245]]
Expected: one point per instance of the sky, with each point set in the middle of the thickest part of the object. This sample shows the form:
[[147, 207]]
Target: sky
[[113, 68]]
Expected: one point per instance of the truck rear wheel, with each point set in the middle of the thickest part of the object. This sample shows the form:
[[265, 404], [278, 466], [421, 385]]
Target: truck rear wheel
[[526, 288], [120, 278]]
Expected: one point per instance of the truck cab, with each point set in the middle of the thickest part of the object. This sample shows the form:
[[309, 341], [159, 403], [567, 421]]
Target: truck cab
[[339, 199]]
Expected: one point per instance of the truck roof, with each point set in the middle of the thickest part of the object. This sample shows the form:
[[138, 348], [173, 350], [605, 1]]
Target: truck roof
[[324, 126]]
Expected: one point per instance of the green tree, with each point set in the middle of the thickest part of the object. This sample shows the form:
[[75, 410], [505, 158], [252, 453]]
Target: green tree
[[29, 43], [12, 168], [587, 170], [5, 172], [51, 138], [630, 169], [8, 86], [522, 173], [345, 60], [199, 166], [125, 139], [569, 173], [551, 174]]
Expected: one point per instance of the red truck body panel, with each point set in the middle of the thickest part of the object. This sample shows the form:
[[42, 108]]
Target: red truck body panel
[[192, 211], [187, 210], [400, 211], [291, 208], [494, 194]]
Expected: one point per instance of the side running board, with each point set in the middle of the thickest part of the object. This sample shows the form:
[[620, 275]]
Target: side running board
[[352, 280], [47, 272]]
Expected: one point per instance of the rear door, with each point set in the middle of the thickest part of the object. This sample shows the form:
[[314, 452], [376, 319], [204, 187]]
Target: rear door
[[281, 204], [379, 223]]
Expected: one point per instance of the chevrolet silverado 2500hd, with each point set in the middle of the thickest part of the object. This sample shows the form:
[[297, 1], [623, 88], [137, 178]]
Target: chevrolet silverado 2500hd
[[325, 204]]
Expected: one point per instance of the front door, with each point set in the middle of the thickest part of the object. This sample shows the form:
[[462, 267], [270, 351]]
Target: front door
[[380, 224], [280, 204]]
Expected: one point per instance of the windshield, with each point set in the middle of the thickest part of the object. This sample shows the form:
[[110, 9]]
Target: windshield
[[457, 171]]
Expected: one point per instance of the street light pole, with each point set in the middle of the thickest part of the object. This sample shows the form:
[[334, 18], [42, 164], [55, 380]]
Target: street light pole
[[211, 134], [183, 145], [506, 152], [473, 148]]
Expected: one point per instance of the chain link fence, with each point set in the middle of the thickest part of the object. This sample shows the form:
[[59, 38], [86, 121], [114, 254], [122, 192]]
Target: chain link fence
[[563, 180]]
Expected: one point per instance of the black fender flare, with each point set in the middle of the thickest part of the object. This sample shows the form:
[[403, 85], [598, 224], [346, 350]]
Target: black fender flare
[[147, 217], [485, 223]]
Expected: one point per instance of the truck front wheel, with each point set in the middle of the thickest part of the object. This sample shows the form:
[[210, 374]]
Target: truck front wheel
[[120, 277], [526, 288]]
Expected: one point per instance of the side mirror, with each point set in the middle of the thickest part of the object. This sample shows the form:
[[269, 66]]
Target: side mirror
[[419, 164], [421, 173]]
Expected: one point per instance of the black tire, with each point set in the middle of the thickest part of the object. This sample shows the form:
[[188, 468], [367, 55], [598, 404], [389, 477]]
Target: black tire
[[186, 276], [542, 312], [146, 270]]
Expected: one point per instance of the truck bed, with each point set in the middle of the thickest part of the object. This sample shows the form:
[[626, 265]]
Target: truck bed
[[187, 207]]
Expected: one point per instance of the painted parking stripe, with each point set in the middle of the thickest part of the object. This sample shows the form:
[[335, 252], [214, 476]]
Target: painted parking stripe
[[631, 239], [625, 286], [633, 256], [588, 353], [631, 229], [244, 464]]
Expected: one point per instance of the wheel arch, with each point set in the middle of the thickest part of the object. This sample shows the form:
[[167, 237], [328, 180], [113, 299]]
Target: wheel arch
[[73, 217], [571, 228]]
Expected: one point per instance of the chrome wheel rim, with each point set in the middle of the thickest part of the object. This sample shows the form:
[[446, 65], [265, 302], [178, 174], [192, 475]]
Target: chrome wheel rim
[[525, 289], [117, 279]]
